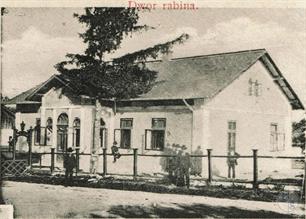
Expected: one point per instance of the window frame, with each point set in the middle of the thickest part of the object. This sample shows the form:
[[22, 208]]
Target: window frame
[[74, 132], [275, 146], [231, 132], [163, 129], [122, 129], [46, 129], [254, 88]]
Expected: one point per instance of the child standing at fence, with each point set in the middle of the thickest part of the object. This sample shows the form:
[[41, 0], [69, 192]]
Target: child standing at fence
[[94, 161]]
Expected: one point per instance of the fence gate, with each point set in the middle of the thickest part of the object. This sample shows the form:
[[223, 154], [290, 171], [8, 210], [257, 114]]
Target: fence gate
[[13, 167]]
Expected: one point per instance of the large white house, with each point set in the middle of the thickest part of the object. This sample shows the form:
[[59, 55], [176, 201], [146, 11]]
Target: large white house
[[237, 100]]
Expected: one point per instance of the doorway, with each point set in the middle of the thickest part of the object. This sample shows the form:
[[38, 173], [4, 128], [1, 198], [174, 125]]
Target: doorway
[[62, 132]]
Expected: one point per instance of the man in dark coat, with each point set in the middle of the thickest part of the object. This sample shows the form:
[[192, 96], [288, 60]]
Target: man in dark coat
[[69, 165], [232, 162], [183, 167]]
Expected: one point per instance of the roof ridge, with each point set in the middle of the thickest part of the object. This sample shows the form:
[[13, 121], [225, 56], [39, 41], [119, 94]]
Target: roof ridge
[[218, 54]]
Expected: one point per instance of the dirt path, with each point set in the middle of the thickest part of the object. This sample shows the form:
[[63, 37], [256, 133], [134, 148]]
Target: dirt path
[[48, 201]]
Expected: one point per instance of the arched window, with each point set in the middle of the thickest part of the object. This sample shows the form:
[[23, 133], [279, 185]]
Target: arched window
[[62, 119], [76, 132], [49, 131], [62, 132]]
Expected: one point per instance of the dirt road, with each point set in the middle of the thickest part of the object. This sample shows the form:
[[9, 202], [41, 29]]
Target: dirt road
[[48, 201]]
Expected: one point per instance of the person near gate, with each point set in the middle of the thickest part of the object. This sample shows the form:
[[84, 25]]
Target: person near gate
[[232, 163], [115, 151], [183, 165], [186, 164], [11, 143], [196, 167], [69, 165]]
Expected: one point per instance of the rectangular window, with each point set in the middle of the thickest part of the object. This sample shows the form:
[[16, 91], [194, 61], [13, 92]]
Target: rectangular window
[[76, 137], [250, 87], [255, 88], [155, 137], [231, 133], [277, 139], [123, 135]]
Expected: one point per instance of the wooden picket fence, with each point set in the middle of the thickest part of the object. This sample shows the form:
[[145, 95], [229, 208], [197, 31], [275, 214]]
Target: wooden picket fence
[[209, 156]]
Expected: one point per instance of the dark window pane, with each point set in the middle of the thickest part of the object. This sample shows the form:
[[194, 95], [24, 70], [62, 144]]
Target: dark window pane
[[77, 137], [158, 139], [125, 138]]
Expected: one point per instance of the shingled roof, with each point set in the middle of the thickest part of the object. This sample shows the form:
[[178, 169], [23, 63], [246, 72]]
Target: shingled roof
[[192, 77], [207, 75]]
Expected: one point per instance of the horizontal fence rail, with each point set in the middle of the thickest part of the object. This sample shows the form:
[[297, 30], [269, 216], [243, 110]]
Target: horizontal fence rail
[[210, 156]]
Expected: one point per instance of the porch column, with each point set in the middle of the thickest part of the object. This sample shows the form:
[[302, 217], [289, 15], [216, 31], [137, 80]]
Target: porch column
[[42, 124], [70, 128], [83, 130], [54, 128], [206, 129]]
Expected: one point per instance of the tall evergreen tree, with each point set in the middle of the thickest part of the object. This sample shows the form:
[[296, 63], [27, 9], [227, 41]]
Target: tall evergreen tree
[[124, 77]]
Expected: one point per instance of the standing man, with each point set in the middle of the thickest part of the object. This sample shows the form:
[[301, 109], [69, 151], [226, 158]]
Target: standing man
[[232, 162], [186, 164], [69, 165], [197, 162], [94, 158]]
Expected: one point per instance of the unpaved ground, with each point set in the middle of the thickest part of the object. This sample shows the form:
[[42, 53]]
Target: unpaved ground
[[48, 201]]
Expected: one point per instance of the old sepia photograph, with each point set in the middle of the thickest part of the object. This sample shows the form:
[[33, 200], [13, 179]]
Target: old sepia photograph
[[153, 109]]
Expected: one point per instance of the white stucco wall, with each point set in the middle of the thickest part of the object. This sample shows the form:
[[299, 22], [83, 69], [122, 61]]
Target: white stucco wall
[[4, 136], [55, 103], [178, 131], [253, 116]]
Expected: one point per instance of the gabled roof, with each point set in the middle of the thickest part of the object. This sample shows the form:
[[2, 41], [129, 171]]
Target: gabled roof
[[34, 94], [190, 77], [199, 76], [205, 76]]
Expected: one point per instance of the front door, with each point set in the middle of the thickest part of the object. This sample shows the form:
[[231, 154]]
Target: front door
[[62, 132], [62, 136]]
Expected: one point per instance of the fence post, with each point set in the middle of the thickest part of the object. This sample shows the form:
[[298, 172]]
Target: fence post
[[255, 169], [104, 162], [0, 168], [209, 166], [77, 154], [135, 163], [52, 160], [40, 161]]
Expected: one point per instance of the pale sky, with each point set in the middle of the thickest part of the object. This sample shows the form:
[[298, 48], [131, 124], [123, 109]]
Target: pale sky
[[35, 39]]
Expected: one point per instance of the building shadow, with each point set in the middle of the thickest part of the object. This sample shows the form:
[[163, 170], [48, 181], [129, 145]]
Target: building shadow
[[190, 211]]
